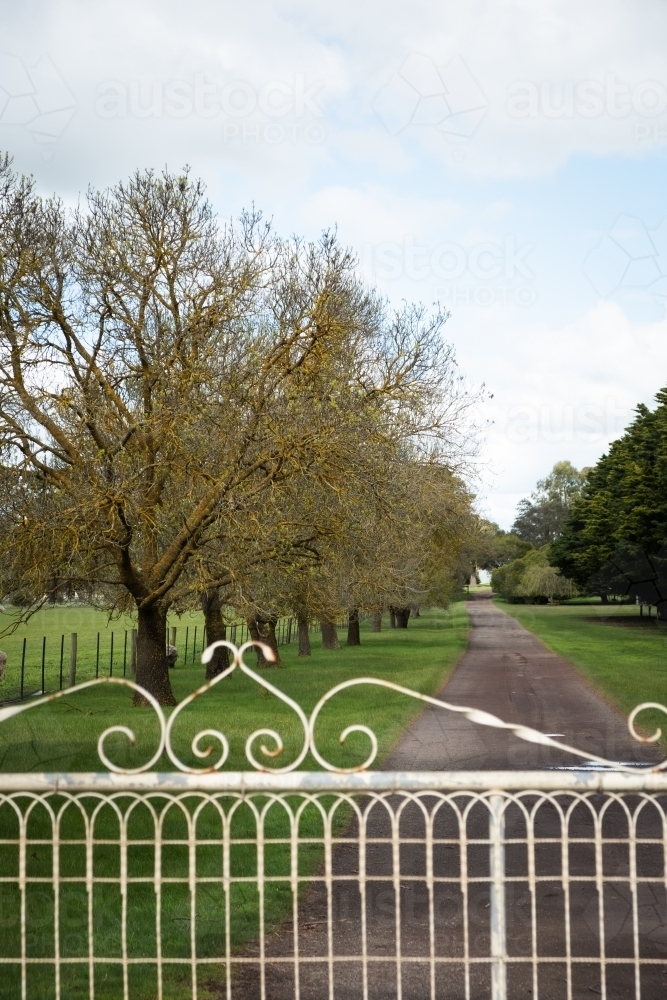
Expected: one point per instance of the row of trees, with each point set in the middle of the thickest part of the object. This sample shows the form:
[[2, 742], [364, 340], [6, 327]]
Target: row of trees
[[523, 569], [203, 415], [615, 538], [601, 531]]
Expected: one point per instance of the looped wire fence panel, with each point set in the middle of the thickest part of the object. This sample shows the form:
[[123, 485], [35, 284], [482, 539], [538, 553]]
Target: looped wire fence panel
[[278, 883]]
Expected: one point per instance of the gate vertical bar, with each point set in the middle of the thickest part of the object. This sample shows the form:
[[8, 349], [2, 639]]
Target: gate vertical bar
[[55, 863], [328, 879], [157, 821], [123, 904], [497, 887], [396, 879], [192, 885], [465, 898], [294, 886], [632, 871], [565, 870], [599, 884], [431, 902], [362, 901], [23, 834]]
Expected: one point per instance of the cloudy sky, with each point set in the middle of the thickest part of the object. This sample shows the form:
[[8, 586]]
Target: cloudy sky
[[503, 159]]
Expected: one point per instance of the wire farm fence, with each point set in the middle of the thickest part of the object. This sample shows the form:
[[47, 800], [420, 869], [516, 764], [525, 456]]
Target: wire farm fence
[[41, 666], [281, 883]]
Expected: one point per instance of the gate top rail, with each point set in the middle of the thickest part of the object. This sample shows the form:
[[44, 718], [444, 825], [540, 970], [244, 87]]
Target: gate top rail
[[307, 782], [205, 777]]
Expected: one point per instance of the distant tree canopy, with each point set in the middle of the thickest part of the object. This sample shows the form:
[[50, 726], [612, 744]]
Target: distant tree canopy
[[532, 579], [541, 516], [199, 415], [497, 547], [614, 540]]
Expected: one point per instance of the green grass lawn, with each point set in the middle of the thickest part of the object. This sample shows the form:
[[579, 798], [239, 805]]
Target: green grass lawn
[[63, 736], [622, 655]]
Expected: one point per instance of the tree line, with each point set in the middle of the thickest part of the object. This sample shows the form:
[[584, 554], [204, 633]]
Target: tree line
[[521, 559], [204, 414], [598, 532], [614, 541]]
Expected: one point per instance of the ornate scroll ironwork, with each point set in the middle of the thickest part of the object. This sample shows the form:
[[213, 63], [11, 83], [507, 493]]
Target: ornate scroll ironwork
[[308, 722]]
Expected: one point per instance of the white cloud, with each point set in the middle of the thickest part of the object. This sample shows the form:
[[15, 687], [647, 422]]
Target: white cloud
[[559, 392], [419, 205], [603, 64]]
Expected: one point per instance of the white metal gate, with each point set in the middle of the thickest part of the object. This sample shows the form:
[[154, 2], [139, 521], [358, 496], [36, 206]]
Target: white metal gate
[[286, 883]]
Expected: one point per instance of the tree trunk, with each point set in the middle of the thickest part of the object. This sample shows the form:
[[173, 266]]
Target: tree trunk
[[414, 609], [264, 630], [353, 636], [152, 669], [402, 615], [376, 621], [392, 616], [604, 598], [329, 635], [304, 636], [215, 630]]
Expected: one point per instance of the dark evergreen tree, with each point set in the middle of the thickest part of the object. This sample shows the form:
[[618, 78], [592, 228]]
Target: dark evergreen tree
[[614, 540]]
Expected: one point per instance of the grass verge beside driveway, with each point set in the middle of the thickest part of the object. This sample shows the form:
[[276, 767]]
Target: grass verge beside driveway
[[623, 655]]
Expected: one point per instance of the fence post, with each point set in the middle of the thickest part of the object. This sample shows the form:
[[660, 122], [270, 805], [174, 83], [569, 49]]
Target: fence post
[[194, 645], [72, 659], [187, 636], [62, 656], [97, 657], [23, 667], [111, 658], [133, 652], [497, 887], [43, 662], [125, 653]]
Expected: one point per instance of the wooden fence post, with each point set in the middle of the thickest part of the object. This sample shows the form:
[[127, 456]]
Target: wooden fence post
[[72, 659], [133, 653]]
